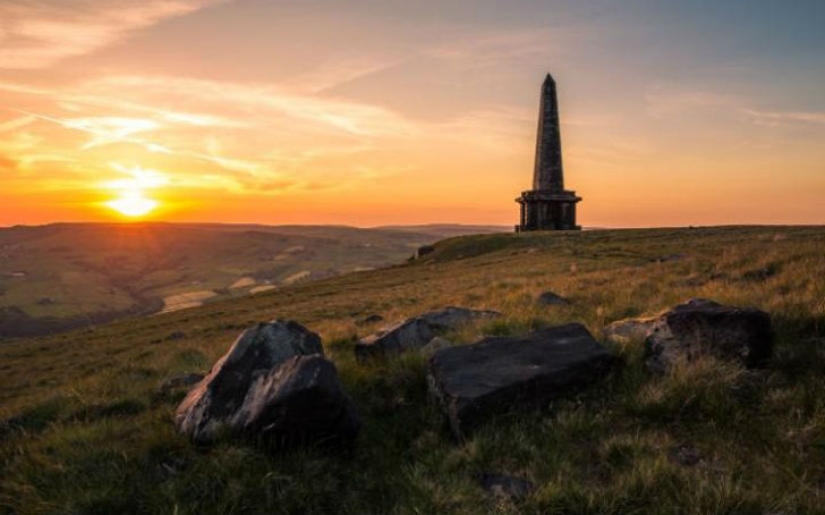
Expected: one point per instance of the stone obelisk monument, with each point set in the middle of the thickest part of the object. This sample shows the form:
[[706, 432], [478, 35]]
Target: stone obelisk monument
[[548, 206]]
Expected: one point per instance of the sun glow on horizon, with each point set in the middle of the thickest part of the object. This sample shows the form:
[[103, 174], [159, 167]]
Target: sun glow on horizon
[[131, 201], [132, 204]]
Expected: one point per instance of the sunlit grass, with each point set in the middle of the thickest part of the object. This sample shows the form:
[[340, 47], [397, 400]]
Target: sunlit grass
[[88, 430]]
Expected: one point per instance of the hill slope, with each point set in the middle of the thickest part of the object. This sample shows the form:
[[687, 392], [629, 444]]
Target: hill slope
[[88, 431], [70, 275]]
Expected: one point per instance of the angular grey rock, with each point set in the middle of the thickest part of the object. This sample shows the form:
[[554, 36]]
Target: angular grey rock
[[417, 332], [299, 402], [409, 334], [452, 317], [549, 298], [628, 330], [251, 390], [702, 327], [477, 382]]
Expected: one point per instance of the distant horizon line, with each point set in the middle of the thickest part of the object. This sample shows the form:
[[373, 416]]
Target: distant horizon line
[[509, 227]]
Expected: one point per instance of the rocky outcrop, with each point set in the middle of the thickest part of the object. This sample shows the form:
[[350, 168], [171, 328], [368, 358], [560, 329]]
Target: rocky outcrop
[[417, 332], [702, 327], [476, 383], [274, 385]]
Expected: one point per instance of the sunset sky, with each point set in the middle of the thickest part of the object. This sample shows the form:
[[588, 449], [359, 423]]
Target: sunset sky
[[378, 112]]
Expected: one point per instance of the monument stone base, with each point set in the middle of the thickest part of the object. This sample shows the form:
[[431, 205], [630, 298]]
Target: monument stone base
[[548, 211]]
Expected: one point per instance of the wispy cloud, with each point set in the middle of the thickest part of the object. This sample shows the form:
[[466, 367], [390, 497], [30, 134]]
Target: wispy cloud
[[775, 118], [255, 100], [666, 100], [237, 131], [38, 34], [342, 71], [662, 100], [495, 46]]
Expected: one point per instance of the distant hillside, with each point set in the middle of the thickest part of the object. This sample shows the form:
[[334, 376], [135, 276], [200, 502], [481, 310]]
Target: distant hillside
[[60, 276]]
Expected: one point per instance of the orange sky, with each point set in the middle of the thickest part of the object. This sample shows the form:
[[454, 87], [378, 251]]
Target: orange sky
[[370, 113]]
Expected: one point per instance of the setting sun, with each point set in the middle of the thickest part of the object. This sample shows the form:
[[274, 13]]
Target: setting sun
[[131, 200], [132, 205]]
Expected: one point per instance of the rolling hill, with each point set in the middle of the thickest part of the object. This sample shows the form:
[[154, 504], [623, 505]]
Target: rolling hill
[[69, 275], [88, 429]]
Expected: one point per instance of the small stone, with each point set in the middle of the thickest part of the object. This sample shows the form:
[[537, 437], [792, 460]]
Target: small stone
[[506, 487], [371, 319], [671, 257], [684, 454], [549, 298], [760, 274]]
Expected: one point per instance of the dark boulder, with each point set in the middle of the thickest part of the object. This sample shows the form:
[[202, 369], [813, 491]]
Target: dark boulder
[[417, 332], [253, 389], [299, 402], [701, 327], [475, 383]]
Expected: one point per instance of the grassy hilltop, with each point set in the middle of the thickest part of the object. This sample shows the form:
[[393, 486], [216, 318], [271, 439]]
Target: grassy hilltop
[[86, 429]]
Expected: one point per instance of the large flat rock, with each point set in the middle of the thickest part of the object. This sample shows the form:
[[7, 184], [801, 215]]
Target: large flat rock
[[475, 383]]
